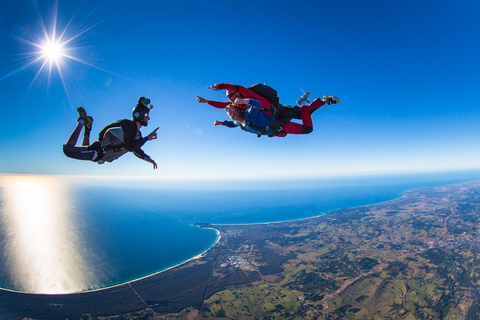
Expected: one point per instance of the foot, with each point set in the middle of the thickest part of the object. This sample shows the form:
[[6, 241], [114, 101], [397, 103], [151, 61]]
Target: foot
[[88, 125], [82, 116], [303, 100], [84, 119], [330, 100]]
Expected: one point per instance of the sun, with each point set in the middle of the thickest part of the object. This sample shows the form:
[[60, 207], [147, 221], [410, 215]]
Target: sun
[[56, 51], [53, 51]]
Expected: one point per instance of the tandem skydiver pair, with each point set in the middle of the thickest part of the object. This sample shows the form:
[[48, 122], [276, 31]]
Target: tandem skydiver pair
[[257, 110]]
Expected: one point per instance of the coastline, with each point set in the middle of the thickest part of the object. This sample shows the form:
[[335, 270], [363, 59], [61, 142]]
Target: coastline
[[312, 217], [181, 285], [198, 256], [203, 253]]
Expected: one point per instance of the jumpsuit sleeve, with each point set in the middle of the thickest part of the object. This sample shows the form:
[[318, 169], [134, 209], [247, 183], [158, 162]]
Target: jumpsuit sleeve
[[218, 104], [230, 124], [246, 93], [254, 103], [139, 153]]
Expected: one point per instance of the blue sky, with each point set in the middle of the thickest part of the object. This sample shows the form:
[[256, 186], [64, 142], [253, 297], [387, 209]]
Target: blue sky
[[407, 74]]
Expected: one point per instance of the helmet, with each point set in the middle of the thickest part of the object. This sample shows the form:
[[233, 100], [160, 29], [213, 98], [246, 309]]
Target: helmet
[[142, 108], [139, 113]]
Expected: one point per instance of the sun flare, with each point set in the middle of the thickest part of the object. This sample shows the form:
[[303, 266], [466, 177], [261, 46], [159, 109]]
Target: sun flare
[[53, 51]]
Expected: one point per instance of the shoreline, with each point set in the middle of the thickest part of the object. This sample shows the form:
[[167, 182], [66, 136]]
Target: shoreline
[[200, 255], [312, 217]]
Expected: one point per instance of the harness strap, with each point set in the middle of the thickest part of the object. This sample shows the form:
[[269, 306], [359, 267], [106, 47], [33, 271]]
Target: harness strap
[[272, 109], [237, 90], [114, 148], [257, 127], [248, 123]]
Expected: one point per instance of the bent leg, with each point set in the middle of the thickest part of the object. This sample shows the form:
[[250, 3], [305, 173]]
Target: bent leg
[[86, 137], [72, 140], [86, 140], [86, 131], [290, 113], [315, 105], [296, 128], [295, 112], [79, 153]]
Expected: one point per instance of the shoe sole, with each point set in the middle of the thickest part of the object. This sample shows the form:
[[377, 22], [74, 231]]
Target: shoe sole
[[82, 114]]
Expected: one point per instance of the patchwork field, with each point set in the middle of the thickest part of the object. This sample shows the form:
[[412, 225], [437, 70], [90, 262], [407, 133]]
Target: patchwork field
[[412, 258]]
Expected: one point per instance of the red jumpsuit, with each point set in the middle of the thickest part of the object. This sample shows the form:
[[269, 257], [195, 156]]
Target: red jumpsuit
[[289, 127]]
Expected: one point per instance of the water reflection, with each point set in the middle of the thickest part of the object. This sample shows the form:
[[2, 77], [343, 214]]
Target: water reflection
[[43, 251]]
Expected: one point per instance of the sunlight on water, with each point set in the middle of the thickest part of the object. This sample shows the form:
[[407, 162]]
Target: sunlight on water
[[42, 247]]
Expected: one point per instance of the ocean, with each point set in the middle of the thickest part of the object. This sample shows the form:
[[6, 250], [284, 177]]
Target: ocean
[[60, 235]]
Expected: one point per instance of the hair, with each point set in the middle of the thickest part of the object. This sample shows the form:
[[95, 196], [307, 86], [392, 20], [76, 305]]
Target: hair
[[231, 106], [235, 110]]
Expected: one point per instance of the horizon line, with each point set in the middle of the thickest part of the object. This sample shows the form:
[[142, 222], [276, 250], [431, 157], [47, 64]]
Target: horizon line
[[213, 178]]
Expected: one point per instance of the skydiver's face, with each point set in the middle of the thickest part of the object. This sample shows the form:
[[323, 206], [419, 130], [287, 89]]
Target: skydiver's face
[[233, 95], [147, 117], [235, 114]]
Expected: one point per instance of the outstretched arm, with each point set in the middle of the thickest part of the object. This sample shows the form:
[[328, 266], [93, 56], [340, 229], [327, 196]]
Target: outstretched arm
[[153, 135], [251, 102], [245, 92], [214, 87], [146, 157], [142, 155], [215, 104], [152, 162], [226, 123]]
